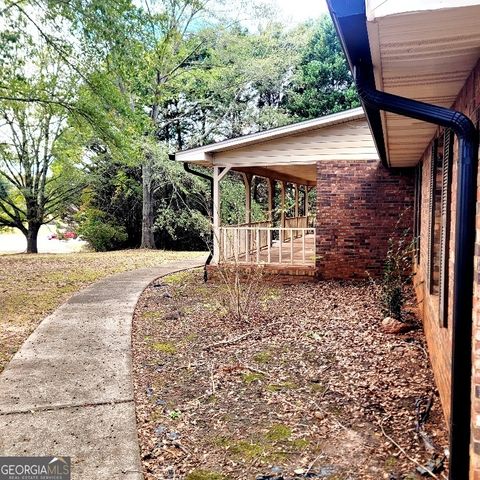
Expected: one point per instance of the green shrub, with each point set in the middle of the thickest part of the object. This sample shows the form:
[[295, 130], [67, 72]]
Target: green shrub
[[101, 234]]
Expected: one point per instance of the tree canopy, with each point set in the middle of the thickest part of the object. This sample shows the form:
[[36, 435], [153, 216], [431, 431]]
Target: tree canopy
[[95, 94], [322, 83]]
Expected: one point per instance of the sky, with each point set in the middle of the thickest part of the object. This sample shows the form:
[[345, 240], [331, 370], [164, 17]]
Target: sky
[[289, 12], [296, 11]]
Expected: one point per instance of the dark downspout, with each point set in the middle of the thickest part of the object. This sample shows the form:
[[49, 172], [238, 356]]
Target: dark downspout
[[461, 370], [210, 180]]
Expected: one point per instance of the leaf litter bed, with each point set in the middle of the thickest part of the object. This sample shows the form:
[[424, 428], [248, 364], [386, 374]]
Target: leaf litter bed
[[309, 387]]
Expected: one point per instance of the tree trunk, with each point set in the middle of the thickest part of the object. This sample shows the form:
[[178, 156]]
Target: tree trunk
[[32, 237], [148, 217]]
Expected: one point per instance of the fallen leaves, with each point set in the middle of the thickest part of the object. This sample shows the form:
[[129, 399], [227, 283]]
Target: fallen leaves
[[311, 362]]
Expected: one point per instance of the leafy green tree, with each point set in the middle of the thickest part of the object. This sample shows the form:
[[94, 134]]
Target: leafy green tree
[[234, 85], [100, 231], [39, 180], [322, 83], [115, 189], [137, 52], [182, 203], [52, 101]]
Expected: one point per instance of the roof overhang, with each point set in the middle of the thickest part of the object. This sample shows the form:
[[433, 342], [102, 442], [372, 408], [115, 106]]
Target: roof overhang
[[205, 155], [290, 153], [420, 50]]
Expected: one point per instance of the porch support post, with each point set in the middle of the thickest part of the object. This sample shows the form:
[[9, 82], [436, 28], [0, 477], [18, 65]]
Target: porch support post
[[218, 174], [282, 203], [247, 180], [271, 188], [306, 202], [296, 200]]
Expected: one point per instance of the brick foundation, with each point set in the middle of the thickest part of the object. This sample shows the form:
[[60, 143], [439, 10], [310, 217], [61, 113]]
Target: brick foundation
[[288, 274], [360, 205]]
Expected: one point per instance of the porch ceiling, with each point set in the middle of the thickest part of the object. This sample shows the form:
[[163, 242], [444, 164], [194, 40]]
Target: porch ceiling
[[300, 174], [422, 50]]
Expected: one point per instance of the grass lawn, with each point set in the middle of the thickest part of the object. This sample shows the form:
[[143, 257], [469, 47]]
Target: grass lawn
[[32, 286], [309, 387]]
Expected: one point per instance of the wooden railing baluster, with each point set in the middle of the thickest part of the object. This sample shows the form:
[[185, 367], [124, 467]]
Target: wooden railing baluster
[[245, 243]]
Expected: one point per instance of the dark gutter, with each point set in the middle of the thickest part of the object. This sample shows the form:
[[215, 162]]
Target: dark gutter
[[353, 13], [350, 22], [209, 178]]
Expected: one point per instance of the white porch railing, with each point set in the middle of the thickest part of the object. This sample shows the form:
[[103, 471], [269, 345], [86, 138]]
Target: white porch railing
[[256, 243], [294, 223]]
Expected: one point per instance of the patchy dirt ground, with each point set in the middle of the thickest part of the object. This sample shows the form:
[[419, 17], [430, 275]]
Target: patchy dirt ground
[[32, 286], [309, 387]]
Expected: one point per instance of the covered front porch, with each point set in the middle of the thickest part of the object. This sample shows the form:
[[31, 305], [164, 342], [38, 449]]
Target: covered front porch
[[288, 161], [286, 234]]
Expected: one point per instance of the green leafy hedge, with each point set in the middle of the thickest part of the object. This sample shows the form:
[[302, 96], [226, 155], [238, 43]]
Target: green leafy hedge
[[102, 234]]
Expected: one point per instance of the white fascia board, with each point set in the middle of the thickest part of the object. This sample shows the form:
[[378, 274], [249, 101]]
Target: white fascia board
[[376, 9], [192, 156]]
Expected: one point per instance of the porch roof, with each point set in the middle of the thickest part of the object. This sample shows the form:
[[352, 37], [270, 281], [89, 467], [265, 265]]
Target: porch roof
[[421, 50], [290, 153]]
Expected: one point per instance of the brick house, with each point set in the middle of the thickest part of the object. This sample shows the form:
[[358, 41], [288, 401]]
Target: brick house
[[408, 159], [344, 232], [416, 66]]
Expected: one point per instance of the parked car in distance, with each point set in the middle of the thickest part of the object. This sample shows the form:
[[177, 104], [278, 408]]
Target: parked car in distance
[[62, 236]]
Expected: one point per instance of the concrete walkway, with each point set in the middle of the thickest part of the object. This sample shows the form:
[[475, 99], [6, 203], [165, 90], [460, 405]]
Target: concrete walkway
[[69, 390]]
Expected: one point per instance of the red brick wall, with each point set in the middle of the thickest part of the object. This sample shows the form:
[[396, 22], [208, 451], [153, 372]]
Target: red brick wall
[[359, 204], [468, 102], [438, 337]]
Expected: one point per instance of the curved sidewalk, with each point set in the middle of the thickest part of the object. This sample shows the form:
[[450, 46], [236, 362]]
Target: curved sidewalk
[[69, 390]]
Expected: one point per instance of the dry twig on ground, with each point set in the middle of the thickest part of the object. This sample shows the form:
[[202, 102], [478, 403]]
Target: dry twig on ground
[[402, 450]]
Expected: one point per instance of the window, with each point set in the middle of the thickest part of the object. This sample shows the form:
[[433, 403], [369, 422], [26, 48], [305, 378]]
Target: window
[[433, 271], [445, 225], [417, 222], [440, 221]]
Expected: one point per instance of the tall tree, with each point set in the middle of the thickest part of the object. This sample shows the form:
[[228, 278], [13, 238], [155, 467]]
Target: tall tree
[[141, 50], [45, 117], [322, 83], [39, 180], [234, 85]]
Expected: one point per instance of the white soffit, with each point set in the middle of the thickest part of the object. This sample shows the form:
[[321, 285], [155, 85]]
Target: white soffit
[[423, 50]]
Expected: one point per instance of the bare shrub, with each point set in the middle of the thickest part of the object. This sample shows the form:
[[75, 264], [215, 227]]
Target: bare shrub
[[244, 288], [243, 284], [397, 273]]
